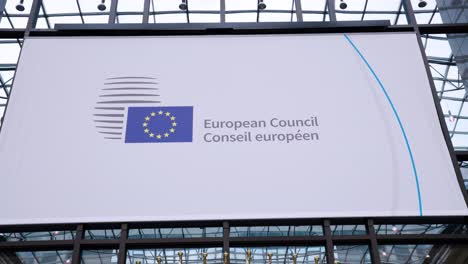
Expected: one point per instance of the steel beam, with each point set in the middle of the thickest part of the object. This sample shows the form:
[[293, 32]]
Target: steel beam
[[2, 7], [113, 12], [146, 11]]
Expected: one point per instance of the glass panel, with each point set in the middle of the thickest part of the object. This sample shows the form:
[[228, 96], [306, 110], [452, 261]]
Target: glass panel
[[440, 11], [445, 54], [213, 5], [204, 18], [464, 171], [175, 232], [278, 255], [266, 16], [9, 21], [424, 14], [317, 5], [423, 254], [453, 11], [352, 11], [166, 5], [64, 20], [38, 236], [352, 254], [36, 257], [262, 231], [130, 11], [362, 10], [188, 255], [348, 230], [102, 234], [421, 229], [308, 17], [172, 18], [135, 19], [14, 16], [241, 5], [241, 17], [130, 6], [53, 13], [278, 11], [107, 256], [91, 13], [10, 50], [74, 12], [314, 10], [96, 19]]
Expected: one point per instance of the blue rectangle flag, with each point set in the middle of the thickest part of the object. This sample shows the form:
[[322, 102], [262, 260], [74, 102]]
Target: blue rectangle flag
[[159, 124]]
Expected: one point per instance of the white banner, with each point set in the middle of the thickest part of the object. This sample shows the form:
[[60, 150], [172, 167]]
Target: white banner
[[223, 127]]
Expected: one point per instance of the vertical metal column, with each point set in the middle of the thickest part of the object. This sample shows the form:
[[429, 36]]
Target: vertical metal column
[[373, 247], [187, 11], [226, 233], [76, 257], [32, 21], [299, 15], [113, 11], [123, 244], [2, 7], [146, 10], [222, 11], [409, 13], [329, 242], [331, 10]]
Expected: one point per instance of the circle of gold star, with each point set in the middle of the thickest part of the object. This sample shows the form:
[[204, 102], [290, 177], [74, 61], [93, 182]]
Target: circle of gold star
[[163, 115]]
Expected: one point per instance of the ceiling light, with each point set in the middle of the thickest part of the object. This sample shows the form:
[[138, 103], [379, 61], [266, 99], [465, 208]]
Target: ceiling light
[[422, 4], [343, 4], [183, 5], [102, 6], [261, 5], [20, 6]]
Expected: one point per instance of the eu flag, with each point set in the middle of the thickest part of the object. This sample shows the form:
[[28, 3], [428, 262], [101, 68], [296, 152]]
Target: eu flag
[[159, 124]]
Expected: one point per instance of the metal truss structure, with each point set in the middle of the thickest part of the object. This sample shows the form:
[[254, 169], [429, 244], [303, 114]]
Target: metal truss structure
[[442, 29], [354, 240]]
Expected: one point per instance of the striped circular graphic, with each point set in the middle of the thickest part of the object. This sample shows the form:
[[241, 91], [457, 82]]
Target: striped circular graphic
[[115, 96]]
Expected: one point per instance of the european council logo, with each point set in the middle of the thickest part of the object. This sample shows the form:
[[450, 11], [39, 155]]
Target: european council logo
[[159, 124]]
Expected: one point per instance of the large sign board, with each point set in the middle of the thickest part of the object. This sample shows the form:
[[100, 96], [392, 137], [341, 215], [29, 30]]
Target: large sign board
[[223, 127]]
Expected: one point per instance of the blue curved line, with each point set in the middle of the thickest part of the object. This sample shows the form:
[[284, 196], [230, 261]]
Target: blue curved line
[[397, 118]]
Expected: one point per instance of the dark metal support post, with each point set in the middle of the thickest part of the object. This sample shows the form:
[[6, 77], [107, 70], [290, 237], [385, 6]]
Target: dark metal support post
[[222, 11], [123, 244], [146, 10], [299, 15], [32, 21], [2, 7], [373, 247], [331, 10], [226, 233], [76, 257], [113, 11], [410, 17], [329, 242]]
